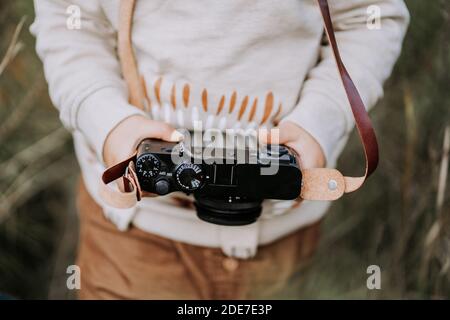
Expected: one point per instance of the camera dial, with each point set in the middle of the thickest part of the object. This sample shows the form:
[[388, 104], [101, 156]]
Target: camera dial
[[189, 176], [148, 166]]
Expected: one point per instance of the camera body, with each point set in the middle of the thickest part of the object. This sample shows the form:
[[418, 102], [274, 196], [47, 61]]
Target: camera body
[[228, 184]]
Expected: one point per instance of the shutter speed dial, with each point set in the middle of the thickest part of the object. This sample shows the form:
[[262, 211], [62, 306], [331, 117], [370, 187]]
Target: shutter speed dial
[[148, 166], [189, 176]]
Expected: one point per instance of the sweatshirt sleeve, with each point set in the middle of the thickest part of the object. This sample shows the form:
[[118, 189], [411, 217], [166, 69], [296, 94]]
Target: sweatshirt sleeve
[[369, 55], [82, 68]]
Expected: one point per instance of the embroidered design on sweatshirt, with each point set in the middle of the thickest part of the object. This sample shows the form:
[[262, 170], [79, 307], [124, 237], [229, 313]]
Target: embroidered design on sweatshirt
[[244, 105]]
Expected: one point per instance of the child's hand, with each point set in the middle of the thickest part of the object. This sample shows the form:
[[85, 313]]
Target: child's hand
[[124, 138], [311, 154]]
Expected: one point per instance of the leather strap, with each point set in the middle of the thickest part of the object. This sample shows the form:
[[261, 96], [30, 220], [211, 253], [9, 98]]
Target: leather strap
[[318, 183], [313, 191], [362, 120], [129, 193], [126, 54]]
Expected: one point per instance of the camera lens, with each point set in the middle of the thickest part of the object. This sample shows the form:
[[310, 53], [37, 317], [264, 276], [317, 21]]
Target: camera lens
[[231, 212]]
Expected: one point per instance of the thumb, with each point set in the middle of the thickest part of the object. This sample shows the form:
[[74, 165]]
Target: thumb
[[166, 132], [172, 135], [276, 135]]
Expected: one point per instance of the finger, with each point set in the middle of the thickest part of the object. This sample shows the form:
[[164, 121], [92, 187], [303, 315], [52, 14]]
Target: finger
[[287, 132], [146, 194], [167, 133], [277, 135], [176, 136], [264, 136], [160, 130]]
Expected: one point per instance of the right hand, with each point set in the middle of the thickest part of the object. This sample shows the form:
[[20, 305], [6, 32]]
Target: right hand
[[123, 140]]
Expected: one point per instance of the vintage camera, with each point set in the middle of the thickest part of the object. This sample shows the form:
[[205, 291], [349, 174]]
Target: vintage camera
[[228, 183]]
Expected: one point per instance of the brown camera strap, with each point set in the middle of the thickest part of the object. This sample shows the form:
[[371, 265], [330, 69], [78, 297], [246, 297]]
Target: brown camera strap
[[318, 183]]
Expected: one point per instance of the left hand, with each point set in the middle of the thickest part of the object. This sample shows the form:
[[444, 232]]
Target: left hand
[[291, 135]]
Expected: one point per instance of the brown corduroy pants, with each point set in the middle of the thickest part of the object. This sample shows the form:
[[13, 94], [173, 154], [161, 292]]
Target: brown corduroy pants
[[138, 265]]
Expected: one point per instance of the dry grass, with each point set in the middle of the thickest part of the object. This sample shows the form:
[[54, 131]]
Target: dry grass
[[35, 155]]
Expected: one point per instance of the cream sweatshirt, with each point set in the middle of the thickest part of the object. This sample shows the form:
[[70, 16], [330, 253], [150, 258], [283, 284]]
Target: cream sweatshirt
[[228, 64]]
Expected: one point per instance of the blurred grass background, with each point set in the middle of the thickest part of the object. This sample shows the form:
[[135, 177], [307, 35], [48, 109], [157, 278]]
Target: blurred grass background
[[398, 221]]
